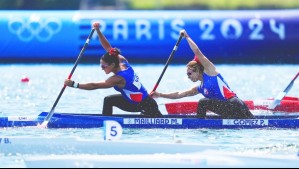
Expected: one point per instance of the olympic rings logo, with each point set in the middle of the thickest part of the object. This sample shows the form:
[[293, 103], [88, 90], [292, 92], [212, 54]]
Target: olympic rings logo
[[42, 30]]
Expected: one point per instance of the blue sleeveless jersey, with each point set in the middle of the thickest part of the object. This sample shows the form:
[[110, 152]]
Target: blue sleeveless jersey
[[215, 87], [133, 91]]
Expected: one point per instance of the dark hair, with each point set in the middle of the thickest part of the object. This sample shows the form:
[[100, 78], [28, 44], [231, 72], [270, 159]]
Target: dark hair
[[112, 57]]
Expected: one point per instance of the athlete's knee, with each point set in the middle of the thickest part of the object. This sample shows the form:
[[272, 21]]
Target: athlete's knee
[[203, 100], [202, 108], [248, 114], [107, 99]]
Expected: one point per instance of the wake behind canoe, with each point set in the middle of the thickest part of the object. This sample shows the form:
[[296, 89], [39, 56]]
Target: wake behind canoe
[[70, 120]]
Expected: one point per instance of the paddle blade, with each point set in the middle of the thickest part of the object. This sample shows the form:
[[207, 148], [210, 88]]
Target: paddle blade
[[281, 95], [43, 125], [277, 100]]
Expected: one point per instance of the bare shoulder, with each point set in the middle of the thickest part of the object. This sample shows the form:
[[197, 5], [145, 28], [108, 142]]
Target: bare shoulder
[[194, 90], [210, 68], [122, 58], [211, 72], [115, 79]]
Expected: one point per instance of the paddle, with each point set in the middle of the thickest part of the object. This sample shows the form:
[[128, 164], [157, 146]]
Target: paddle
[[281, 95], [169, 59], [48, 117]]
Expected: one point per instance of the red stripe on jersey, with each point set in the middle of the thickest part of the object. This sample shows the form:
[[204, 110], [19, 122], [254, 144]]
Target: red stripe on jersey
[[227, 93], [136, 97]]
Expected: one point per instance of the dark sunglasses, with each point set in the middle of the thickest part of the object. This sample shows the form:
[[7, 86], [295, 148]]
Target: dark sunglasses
[[104, 66], [189, 73]]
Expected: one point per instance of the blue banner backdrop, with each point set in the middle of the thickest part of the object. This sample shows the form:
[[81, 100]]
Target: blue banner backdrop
[[255, 36]]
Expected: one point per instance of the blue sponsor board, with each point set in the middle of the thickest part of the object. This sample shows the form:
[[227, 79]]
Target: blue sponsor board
[[255, 36]]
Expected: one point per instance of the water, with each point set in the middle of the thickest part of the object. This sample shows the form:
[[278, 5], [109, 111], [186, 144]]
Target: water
[[250, 82]]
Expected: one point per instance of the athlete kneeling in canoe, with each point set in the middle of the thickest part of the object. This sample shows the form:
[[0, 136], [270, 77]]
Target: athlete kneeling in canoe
[[219, 98], [134, 97]]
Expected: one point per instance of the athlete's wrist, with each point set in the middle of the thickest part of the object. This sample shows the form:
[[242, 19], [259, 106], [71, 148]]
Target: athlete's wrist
[[75, 85]]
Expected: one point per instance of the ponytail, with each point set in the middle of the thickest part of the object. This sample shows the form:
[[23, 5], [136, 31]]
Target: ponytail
[[114, 52], [112, 57]]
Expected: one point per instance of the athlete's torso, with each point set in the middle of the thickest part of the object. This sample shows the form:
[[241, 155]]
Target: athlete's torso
[[133, 90], [215, 87]]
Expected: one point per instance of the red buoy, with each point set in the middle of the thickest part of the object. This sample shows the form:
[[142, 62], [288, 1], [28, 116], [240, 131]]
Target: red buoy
[[25, 79]]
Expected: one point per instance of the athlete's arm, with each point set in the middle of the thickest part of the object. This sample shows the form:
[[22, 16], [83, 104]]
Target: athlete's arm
[[104, 42], [176, 95]]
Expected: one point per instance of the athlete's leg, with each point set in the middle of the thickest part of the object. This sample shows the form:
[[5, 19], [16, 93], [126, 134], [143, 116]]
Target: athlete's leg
[[118, 101], [240, 108], [232, 108], [149, 107]]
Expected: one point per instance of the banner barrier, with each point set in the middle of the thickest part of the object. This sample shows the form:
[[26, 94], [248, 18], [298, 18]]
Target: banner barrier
[[247, 36]]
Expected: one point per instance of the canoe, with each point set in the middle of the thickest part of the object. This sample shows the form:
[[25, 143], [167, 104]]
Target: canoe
[[72, 120], [288, 105]]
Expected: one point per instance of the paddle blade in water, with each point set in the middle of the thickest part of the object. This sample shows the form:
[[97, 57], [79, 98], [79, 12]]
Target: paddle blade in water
[[43, 125]]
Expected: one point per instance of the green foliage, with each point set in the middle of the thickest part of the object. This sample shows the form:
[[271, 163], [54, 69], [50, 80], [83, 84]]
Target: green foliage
[[149, 4], [214, 4]]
